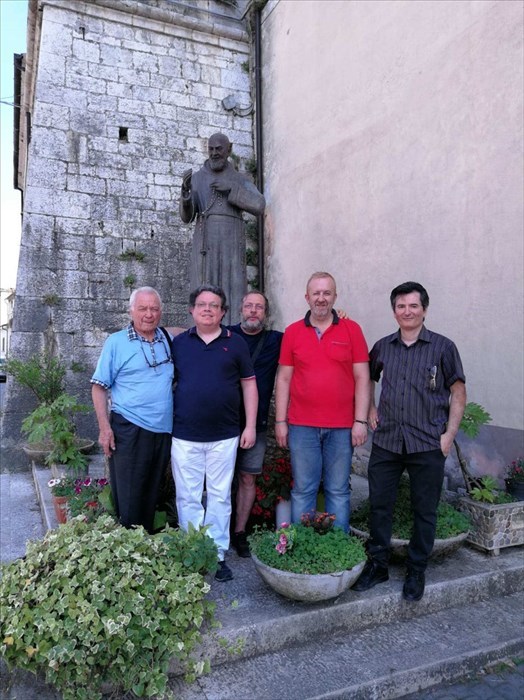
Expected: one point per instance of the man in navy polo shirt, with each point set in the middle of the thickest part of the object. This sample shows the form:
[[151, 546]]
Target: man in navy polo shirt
[[213, 371]]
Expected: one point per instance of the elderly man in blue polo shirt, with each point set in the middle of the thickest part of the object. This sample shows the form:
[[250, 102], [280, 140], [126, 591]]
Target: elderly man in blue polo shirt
[[136, 367], [213, 370]]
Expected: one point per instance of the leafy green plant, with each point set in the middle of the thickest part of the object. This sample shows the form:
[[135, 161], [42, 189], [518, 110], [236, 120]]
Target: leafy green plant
[[129, 280], [450, 522], [302, 550], [98, 603], [488, 491], [251, 257], [52, 424], [474, 417], [42, 374], [130, 254]]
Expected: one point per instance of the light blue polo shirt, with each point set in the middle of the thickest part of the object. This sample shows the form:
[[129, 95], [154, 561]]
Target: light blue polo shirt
[[139, 377]]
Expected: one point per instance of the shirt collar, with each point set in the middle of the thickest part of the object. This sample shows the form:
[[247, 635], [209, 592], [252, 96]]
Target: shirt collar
[[224, 332], [424, 335], [307, 318], [133, 335]]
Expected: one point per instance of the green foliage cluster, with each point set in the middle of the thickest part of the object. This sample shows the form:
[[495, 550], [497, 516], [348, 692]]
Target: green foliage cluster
[[97, 603], [130, 254], [129, 280], [42, 374], [474, 417], [53, 423], [489, 492], [450, 522], [311, 553]]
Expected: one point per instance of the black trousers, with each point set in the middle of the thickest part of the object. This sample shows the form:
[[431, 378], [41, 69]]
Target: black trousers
[[136, 469], [426, 475]]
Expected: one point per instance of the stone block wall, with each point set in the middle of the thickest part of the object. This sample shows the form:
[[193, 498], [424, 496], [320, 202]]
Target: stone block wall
[[120, 100]]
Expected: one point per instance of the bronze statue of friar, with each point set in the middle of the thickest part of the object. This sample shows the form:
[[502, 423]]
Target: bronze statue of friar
[[216, 195]]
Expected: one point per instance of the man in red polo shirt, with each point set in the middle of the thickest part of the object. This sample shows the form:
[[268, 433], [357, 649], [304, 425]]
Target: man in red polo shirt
[[322, 400]]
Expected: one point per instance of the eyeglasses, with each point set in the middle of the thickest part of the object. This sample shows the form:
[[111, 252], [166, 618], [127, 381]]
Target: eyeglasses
[[257, 307], [213, 305], [152, 348]]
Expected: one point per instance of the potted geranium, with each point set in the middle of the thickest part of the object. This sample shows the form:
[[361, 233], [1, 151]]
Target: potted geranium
[[85, 499], [61, 490], [273, 486], [515, 478], [308, 561]]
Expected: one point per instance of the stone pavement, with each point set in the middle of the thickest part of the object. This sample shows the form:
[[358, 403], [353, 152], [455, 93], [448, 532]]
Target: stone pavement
[[21, 519]]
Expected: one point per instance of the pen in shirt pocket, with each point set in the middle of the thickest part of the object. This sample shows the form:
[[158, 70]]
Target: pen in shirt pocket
[[433, 377]]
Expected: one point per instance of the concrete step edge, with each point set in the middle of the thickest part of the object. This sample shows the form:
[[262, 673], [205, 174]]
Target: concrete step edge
[[406, 682], [284, 631], [379, 663]]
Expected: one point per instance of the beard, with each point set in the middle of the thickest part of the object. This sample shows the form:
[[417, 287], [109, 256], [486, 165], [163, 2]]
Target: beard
[[252, 326], [217, 165]]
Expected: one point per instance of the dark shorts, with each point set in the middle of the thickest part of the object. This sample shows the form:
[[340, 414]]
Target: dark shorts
[[252, 460]]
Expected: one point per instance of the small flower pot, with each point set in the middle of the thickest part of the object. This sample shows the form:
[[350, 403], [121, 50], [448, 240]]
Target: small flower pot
[[515, 488], [60, 506], [308, 588]]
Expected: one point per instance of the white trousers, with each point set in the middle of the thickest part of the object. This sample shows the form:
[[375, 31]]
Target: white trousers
[[191, 462]]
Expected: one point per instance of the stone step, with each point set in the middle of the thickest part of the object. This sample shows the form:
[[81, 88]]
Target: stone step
[[380, 662], [256, 620]]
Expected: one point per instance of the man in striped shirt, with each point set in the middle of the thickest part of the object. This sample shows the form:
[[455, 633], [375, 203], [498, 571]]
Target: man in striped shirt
[[421, 405]]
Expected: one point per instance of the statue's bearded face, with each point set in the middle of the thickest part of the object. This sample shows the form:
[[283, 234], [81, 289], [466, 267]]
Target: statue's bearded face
[[218, 150]]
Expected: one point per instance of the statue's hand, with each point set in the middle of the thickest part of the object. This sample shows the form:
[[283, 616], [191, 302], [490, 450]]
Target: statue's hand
[[221, 185], [186, 181]]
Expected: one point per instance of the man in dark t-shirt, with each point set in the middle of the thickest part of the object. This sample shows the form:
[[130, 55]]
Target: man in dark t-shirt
[[264, 348]]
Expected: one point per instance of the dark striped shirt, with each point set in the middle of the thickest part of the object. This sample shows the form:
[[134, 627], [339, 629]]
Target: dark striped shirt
[[414, 400]]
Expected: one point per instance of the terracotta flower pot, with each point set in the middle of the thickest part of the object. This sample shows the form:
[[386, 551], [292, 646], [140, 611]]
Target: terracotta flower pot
[[60, 505]]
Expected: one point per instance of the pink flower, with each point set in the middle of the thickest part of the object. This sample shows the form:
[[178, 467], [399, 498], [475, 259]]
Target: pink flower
[[282, 539], [281, 548]]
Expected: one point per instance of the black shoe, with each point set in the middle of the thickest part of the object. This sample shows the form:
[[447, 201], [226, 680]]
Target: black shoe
[[372, 574], [241, 545], [413, 589], [223, 573]]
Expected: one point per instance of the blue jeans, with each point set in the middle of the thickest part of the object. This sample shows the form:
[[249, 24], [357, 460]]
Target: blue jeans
[[320, 453]]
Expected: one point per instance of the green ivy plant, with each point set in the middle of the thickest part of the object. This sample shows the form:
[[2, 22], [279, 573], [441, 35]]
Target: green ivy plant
[[96, 604], [450, 522]]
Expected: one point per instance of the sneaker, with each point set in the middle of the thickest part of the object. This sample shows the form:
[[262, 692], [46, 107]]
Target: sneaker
[[241, 545], [223, 573]]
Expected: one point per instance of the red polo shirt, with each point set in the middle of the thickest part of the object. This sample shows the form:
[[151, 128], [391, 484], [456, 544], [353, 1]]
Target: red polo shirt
[[322, 391]]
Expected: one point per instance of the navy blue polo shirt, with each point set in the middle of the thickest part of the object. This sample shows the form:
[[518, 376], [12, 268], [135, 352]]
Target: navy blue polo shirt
[[265, 368], [208, 393]]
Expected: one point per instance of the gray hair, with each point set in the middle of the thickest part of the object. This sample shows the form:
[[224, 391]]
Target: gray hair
[[145, 290]]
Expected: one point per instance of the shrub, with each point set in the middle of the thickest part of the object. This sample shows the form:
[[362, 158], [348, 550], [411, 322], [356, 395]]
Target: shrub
[[98, 603], [450, 522]]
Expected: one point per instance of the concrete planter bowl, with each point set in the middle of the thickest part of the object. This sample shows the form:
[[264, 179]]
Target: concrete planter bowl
[[494, 525], [308, 588], [399, 547]]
